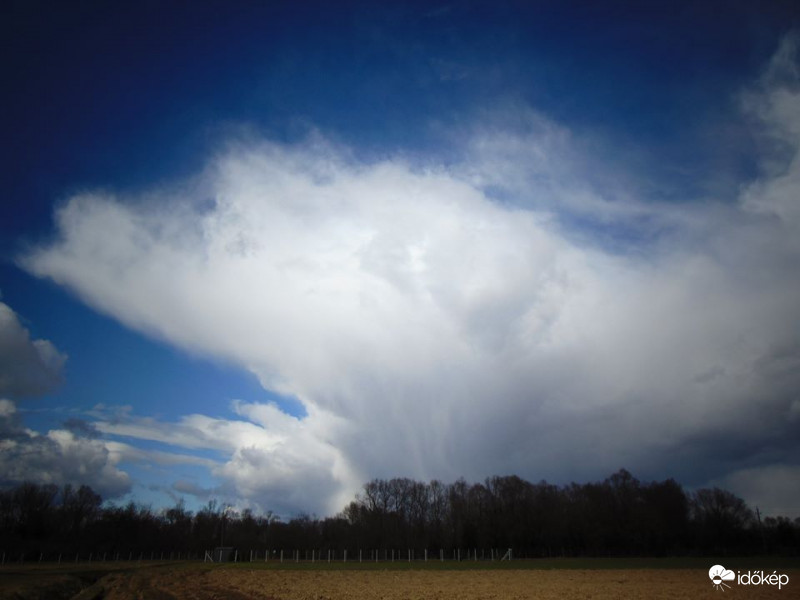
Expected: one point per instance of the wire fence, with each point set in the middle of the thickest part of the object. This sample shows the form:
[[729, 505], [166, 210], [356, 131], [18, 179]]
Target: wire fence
[[266, 555]]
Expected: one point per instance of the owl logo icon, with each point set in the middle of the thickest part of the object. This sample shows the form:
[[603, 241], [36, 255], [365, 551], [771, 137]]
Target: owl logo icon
[[719, 575]]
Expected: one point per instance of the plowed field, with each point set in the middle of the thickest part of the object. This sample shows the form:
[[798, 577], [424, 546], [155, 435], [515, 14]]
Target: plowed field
[[206, 582]]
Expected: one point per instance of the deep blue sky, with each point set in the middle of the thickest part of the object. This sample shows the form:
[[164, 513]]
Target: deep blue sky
[[126, 97], [96, 88]]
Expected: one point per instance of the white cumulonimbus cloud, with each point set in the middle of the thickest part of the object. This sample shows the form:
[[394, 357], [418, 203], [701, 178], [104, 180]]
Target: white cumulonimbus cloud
[[445, 321]]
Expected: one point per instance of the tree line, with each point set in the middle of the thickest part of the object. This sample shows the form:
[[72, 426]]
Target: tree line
[[619, 516]]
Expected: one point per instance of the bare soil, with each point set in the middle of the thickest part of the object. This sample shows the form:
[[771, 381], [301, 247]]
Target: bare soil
[[206, 582]]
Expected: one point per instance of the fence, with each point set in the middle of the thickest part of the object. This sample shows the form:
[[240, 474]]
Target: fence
[[14, 557], [361, 556], [260, 555]]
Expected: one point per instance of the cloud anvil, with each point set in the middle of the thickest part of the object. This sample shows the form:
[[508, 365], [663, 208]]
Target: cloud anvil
[[507, 298]]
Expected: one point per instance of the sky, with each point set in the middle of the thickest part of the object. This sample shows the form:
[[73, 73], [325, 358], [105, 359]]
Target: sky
[[264, 252]]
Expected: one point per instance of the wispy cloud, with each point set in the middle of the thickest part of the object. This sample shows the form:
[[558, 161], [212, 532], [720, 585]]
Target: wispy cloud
[[128, 453], [262, 455]]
